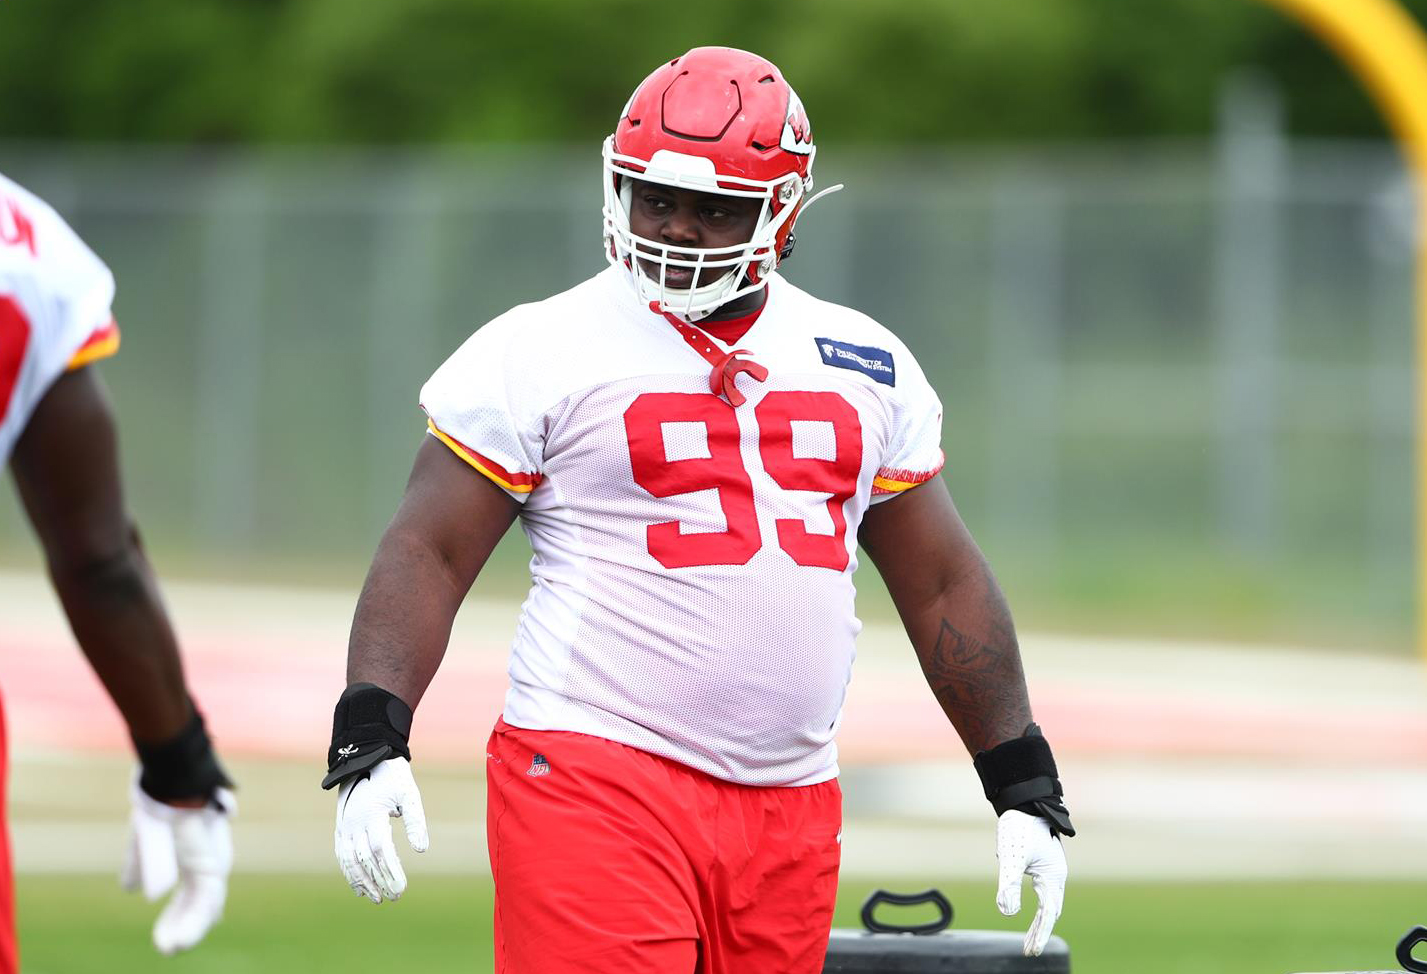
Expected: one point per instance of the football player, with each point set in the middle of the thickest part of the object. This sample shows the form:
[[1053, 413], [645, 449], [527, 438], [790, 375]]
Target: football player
[[695, 448], [57, 431]]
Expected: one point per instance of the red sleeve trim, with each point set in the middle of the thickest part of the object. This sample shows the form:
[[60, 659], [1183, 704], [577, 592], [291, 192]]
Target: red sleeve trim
[[514, 481], [894, 481], [102, 344]]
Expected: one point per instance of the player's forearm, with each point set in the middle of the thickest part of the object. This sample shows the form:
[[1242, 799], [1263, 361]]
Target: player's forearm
[[966, 643], [404, 615], [117, 615]]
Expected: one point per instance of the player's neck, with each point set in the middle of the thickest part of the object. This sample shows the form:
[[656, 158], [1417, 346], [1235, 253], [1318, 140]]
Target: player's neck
[[740, 307]]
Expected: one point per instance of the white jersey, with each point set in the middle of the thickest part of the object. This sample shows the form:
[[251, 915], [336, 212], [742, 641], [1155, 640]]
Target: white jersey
[[55, 298], [692, 575]]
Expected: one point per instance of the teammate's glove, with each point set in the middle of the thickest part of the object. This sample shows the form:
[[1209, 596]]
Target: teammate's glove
[[366, 805], [188, 847], [179, 834], [1020, 780], [1025, 846]]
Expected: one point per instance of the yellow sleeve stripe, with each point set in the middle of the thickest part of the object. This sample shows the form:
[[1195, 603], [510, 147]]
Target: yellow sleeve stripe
[[518, 483], [895, 481], [104, 344], [881, 485]]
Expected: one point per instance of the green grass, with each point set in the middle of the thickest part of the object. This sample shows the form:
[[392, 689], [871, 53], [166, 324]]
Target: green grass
[[276, 924]]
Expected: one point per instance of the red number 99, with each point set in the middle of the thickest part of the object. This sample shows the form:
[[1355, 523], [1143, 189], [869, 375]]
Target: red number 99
[[723, 470]]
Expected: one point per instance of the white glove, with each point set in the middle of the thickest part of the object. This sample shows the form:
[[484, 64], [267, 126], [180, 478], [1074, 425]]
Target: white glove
[[190, 847], [1025, 846], [365, 807]]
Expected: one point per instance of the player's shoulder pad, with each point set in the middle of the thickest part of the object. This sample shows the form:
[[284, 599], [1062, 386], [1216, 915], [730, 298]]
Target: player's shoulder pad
[[532, 354], [30, 224], [544, 334], [850, 339], [78, 283], [21, 214]]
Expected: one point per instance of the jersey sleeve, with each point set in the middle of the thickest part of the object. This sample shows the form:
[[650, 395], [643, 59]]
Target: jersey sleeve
[[73, 292], [914, 453], [476, 404], [86, 286], [101, 343], [82, 290]]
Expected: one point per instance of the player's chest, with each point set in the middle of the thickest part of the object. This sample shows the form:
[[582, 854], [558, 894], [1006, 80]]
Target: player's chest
[[792, 466], [675, 418]]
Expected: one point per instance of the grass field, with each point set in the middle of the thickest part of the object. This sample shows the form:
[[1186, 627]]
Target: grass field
[[1153, 887], [278, 923]]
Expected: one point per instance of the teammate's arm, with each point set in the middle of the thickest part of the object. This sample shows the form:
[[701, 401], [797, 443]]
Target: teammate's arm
[[961, 629], [66, 467], [449, 521]]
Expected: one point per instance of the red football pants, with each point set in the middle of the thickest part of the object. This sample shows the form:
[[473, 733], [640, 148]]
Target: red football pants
[[9, 949], [611, 860]]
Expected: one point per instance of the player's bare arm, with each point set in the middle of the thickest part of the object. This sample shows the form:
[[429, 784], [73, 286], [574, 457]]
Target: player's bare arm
[[66, 468], [97, 564], [449, 521], [961, 629], [954, 613]]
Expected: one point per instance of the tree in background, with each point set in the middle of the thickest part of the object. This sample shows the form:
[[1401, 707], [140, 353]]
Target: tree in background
[[265, 71]]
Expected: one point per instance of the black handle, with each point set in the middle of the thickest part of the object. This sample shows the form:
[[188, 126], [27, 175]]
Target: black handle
[[932, 896], [1415, 936]]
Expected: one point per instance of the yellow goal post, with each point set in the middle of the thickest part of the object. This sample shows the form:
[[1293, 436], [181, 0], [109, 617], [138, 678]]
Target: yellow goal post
[[1387, 50]]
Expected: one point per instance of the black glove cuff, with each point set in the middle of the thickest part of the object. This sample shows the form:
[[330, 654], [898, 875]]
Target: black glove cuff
[[183, 766], [1021, 774], [369, 725]]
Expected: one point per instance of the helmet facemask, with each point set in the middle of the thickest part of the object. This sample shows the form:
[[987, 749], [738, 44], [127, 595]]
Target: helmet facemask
[[747, 265], [715, 120]]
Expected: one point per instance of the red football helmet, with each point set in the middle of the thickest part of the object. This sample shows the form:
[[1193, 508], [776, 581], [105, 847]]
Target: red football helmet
[[716, 120]]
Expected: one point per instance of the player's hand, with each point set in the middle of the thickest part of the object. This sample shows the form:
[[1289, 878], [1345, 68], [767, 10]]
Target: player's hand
[[1025, 846], [365, 807], [188, 847]]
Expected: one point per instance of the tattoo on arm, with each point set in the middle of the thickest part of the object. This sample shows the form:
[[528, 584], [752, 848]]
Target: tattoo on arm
[[980, 683]]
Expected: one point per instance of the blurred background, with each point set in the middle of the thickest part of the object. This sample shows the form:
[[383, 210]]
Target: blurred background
[[1158, 263]]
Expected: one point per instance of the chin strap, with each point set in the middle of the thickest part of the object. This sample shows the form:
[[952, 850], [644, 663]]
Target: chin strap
[[726, 365]]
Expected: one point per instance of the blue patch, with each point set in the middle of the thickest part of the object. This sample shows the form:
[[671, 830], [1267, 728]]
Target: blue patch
[[875, 363]]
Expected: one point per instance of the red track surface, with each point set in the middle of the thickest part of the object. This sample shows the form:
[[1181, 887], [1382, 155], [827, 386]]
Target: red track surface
[[274, 697]]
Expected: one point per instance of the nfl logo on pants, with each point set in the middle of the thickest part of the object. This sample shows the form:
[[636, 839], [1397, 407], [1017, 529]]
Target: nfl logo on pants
[[538, 766]]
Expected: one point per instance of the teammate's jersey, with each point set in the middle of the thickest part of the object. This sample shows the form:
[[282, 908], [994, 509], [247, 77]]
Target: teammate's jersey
[[692, 574], [55, 298]]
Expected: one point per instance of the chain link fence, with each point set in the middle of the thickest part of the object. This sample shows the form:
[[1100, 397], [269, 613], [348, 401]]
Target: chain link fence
[[1177, 376]]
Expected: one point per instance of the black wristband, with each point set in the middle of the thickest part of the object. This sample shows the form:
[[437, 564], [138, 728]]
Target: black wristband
[[369, 726], [1021, 774], [183, 766]]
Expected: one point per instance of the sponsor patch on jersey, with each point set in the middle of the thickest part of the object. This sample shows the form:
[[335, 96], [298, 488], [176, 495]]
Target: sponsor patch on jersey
[[874, 362]]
